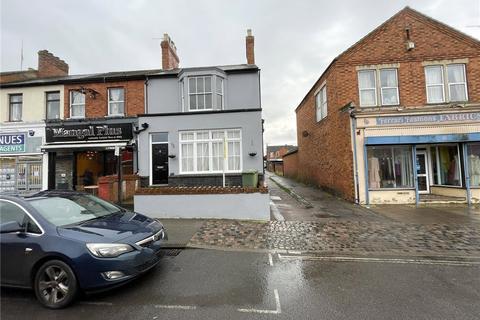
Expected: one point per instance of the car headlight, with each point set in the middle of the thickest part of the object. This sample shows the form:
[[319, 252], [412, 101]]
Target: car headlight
[[108, 250]]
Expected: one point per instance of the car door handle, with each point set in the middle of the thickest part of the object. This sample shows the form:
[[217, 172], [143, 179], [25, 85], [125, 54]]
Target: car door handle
[[28, 250]]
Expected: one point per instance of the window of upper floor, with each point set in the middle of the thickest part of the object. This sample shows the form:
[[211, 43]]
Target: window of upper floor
[[378, 87], [52, 100], [321, 103], [15, 107], [446, 83], [116, 101], [203, 93], [77, 104]]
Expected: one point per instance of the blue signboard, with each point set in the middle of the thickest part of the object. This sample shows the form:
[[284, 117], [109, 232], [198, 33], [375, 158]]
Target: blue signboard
[[447, 117], [12, 143]]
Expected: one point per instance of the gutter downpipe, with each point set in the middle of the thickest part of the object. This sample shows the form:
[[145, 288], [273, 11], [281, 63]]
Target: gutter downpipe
[[353, 125], [467, 174]]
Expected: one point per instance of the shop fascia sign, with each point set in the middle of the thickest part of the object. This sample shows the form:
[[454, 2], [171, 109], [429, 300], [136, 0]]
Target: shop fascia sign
[[87, 132], [429, 118], [12, 142]]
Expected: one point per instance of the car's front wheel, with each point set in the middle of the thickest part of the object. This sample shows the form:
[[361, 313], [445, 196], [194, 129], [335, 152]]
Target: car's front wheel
[[55, 284]]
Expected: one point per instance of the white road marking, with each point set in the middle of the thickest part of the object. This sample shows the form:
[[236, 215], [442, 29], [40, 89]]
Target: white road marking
[[270, 259], [275, 198], [278, 309], [169, 306], [383, 260], [276, 213], [97, 303]]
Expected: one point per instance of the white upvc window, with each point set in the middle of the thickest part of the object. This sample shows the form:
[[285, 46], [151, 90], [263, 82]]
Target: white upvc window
[[457, 82], [378, 87], [367, 80], [435, 84], [321, 103], [446, 83], [77, 104], [204, 151], [205, 93], [389, 87], [116, 101]]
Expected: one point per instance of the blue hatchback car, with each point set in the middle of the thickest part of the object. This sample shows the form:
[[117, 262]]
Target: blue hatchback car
[[61, 242]]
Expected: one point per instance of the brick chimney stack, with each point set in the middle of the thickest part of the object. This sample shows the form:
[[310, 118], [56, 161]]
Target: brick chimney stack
[[249, 43], [169, 53], [50, 65]]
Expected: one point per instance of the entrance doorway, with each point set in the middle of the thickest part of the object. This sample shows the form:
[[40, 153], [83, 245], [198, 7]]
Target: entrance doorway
[[423, 180], [159, 158]]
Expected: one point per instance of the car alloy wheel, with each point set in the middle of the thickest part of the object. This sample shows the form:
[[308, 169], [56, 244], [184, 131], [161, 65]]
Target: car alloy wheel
[[55, 284]]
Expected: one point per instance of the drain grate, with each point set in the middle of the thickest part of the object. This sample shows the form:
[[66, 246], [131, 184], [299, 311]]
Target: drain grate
[[172, 252]]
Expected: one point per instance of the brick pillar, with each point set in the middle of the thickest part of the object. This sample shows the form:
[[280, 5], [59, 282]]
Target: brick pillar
[[169, 53]]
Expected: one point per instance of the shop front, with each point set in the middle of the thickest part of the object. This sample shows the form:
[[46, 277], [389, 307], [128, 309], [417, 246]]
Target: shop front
[[22, 163], [81, 152], [413, 158]]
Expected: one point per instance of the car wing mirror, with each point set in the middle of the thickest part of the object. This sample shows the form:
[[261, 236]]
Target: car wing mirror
[[11, 226]]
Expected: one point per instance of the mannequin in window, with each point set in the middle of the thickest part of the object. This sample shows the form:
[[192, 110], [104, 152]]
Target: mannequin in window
[[374, 173]]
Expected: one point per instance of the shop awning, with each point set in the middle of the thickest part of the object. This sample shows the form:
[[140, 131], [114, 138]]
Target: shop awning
[[89, 146], [423, 139]]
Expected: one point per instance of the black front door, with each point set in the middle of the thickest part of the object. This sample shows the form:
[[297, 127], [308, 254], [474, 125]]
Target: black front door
[[160, 163]]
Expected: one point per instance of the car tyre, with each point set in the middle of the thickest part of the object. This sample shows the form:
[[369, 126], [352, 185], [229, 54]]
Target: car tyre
[[55, 284]]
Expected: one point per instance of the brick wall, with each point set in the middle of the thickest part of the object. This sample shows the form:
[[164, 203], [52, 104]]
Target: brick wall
[[290, 165], [325, 155], [50, 65], [98, 106]]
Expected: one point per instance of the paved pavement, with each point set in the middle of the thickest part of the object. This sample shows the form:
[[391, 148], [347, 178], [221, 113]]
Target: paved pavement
[[205, 284], [320, 223]]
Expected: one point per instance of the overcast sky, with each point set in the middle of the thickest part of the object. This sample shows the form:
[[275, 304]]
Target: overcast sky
[[294, 40]]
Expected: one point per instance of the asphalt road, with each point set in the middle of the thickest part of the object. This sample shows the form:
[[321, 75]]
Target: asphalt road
[[204, 284]]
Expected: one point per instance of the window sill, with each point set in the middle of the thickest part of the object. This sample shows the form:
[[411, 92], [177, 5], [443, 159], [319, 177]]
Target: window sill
[[115, 116], [446, 186], [14, 121], [77, 118]]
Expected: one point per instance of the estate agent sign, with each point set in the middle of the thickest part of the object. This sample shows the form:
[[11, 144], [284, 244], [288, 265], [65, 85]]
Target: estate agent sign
[[12, 143], [88, 132]]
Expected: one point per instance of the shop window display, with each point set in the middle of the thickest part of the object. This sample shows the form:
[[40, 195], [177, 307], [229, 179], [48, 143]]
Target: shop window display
[[446, 165], [390, 167], [473, 151]]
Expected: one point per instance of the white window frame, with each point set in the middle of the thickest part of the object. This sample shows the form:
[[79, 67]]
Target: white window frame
[[111, 102], [456, 83], [321, 107], [381, 88], [213, 92], [365, 89], [17, 105], [210, 140], [77, 104], [437, 84], [47, 93]]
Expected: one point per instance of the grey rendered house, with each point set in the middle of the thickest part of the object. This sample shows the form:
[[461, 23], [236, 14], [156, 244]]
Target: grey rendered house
[[200, 123]]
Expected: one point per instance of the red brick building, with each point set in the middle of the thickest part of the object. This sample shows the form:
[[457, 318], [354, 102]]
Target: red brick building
[[405, 96], [274, 157]]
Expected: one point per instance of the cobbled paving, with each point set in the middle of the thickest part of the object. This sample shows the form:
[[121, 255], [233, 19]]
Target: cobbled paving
[[348, 237]]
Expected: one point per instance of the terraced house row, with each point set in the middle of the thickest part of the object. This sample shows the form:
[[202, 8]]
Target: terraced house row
[[171, 126]]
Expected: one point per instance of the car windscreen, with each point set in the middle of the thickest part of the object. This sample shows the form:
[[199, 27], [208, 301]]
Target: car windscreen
[[72, 209]]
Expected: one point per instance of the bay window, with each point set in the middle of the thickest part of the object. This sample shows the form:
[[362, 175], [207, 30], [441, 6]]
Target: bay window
[[390, 167], [205, 93], [446, 83], [204, 151]]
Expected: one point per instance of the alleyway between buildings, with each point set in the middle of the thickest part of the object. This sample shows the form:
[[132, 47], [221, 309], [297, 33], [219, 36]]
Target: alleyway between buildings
[[316, 222]]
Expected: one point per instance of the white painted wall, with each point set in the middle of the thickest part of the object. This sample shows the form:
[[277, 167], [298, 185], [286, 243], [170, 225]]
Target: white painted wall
[[244, 206], [34, 102]]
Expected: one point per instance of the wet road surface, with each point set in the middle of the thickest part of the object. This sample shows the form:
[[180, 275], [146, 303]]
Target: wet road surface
[[209, 284]]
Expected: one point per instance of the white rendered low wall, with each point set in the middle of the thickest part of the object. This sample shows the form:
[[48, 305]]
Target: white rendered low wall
[[244, 206]]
